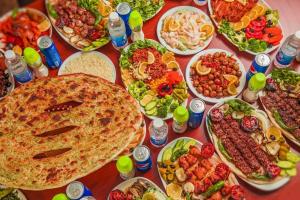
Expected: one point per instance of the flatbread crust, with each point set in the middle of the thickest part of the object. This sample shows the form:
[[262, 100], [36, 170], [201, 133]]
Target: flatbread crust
[[106, 121]]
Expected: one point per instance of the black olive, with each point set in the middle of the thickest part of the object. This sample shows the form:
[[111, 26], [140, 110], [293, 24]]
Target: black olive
[[8, 84]]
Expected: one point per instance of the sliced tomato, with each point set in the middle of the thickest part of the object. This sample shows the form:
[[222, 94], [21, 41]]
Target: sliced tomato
[[275, 39], [273, 170], [273, 30], [222, 170]]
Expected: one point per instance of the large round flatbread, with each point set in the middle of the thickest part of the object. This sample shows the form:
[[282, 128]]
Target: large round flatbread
[[106, 122]]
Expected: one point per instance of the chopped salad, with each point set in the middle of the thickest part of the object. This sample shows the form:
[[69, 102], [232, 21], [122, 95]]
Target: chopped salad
[[153, 77]]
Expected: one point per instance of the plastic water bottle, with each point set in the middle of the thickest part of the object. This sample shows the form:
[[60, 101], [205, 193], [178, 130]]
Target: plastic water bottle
[[288, 51], [117, 31], [18, 67], [158, 132]]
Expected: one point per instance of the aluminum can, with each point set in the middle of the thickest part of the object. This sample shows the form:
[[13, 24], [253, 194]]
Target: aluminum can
[[76, 191], [260, 64], [196, 112], [124, 10], [142, 158], [88, 198], [48, 48]]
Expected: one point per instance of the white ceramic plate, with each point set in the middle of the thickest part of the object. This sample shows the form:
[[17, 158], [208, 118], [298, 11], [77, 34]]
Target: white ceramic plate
[[170, 115], [124, 185], [100, 55], [210, 99], [263, 187], [268, 50], [232, 177], [172, 11]]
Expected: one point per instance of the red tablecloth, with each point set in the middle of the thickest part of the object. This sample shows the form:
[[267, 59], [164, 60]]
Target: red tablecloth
[[102, 181]]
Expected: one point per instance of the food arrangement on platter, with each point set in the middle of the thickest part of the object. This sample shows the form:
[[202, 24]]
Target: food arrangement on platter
[[11, 194], [147, 8], [21, 28], [251, 25], [63, 128], [81, 23], [153, 77], [215, 74], [252, 147], [137, 188], [191, 170], [185, 30], [92, 63], [281, 100]]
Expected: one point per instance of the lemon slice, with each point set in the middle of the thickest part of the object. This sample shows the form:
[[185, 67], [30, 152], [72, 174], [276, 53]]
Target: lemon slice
[[201, 69], [208, 29], [151, 58], [232, 89], [237, 26], [274, 133], [168, 57], [44, 25], [149, 196], [173, 65], [174, 191], [230, 78], [142, 68], [174, 26]]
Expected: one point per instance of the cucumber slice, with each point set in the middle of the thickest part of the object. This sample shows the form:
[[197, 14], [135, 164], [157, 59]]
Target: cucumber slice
[[151, 112], [150, 105], [167, 154], [285, 164], [179, 144], [188, 144], [290, 156], [291, 172]]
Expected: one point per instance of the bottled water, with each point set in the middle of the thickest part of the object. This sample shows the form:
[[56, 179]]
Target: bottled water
[[18, 67], [117, 31], [158, 132], [288, 51]]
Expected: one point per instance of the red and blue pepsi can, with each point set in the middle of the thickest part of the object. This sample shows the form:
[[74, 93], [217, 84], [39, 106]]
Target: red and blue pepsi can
[[196, 112], [50, 52], [260, 64], [76, 191], [142, 158], [124, 10]]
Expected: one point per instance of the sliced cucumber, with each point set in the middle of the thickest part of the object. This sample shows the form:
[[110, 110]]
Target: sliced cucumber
[[179, 144], [188, 144], [291, 172], [150, 105], [167, 154], [285, 164], [151, 112], [290, 156]]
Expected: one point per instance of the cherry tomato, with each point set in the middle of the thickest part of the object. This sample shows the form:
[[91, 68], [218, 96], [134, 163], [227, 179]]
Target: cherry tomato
[[222, 170], [207, 150], [239, 73], [219, 94], [218, 81], [273, 170], [237, 193], [117, 195], [217, 74], [219, 88], [206, 92], [233, 72]]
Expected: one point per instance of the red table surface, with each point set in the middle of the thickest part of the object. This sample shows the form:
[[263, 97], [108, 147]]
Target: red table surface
[[103, 180]]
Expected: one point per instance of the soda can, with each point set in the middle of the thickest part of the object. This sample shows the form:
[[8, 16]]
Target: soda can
[[196, 112], [260, 64], [200, 2], [124, 10], [142, 158], [50, 52], [76, 191], [88, 198]]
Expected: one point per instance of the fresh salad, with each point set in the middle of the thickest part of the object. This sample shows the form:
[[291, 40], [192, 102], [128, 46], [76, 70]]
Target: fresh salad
[[255, 28], [21, 28], [191, 171], [253, 148], [81, 22], [153, 77], [137, 189], [281, 101], [147, 8], [186, 29]]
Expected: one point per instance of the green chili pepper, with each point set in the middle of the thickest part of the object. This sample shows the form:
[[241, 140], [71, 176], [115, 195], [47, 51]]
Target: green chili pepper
[[223, 150], [281, 123], [52, 11], [214, 188], [14, 12]]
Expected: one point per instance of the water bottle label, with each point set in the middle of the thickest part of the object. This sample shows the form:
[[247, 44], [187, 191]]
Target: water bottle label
[[24, 76], [284, 59], [119, 41], [158, 142]]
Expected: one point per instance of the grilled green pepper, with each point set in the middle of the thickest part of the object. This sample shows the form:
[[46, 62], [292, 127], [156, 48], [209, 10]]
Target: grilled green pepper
[[281, 123], [223, 150], [214, 188]]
